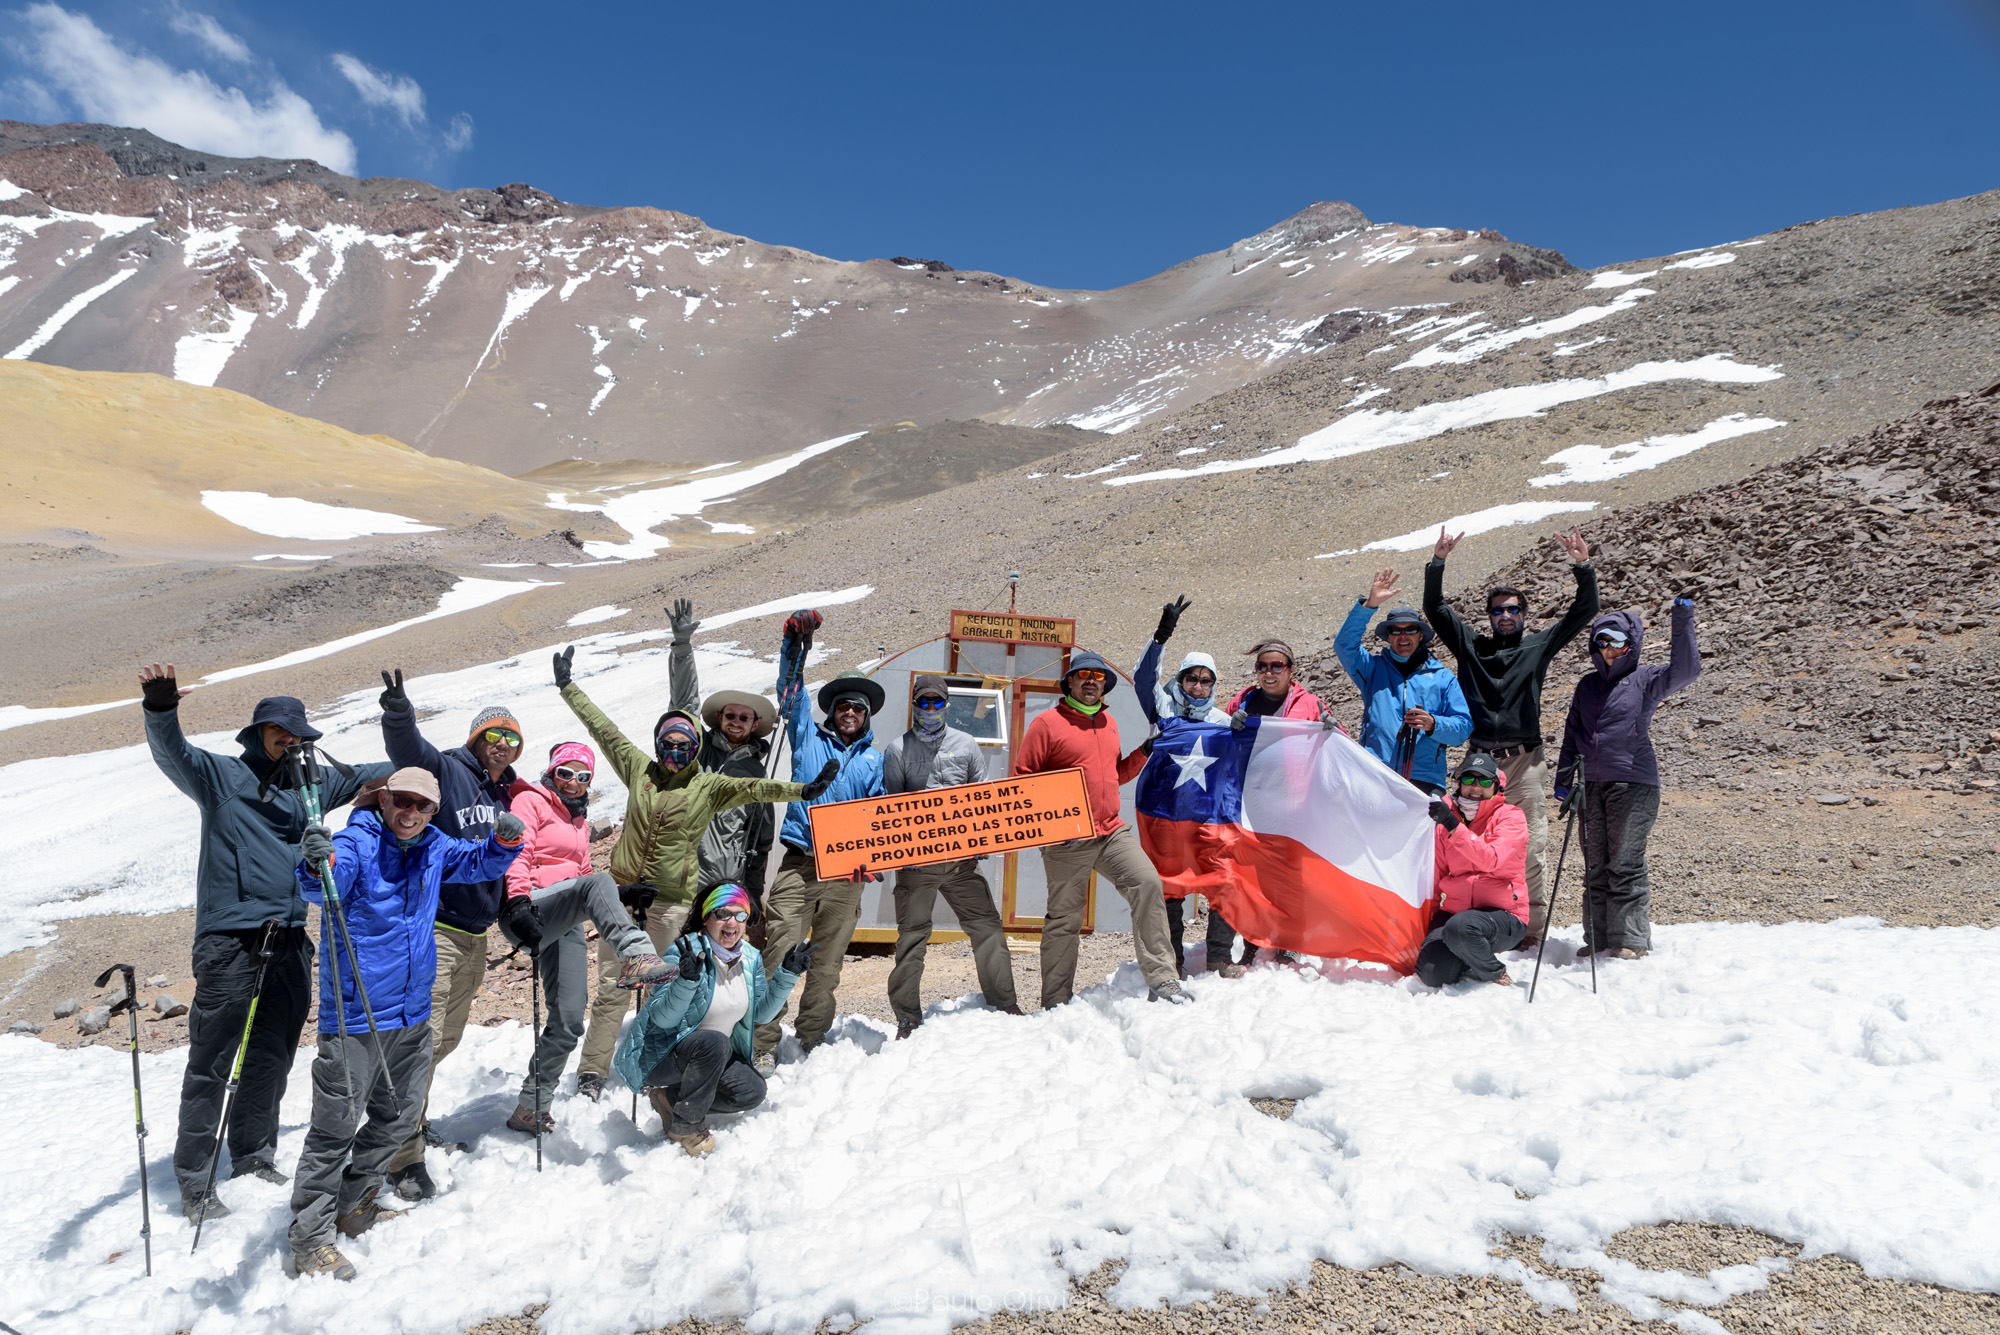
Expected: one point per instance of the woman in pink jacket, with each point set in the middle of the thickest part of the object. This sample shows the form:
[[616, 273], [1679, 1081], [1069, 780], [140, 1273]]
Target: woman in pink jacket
[[1482, 879], [1274, 691]]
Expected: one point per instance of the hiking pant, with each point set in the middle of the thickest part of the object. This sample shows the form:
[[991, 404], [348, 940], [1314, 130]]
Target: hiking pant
[[971, 901], [1176, 926], [607, 1012], [702, 1074], [1222, 941], [1527, 778], [1068, 867], [1466, 945], [344, 1159], [461, 969], [1617, 820], [800, 907], [225, 969], [564, 964]]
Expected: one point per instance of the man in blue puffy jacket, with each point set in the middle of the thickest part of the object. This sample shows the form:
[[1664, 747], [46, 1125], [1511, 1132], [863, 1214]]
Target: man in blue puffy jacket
[[800, 905], [387, 866], [1414, 710]]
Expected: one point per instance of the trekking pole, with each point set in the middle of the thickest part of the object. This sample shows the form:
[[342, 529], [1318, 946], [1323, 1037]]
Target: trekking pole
[[235, 1075], [308, 764], [535, 1066], [130, 1005], [1554, 886], [1589, 913]]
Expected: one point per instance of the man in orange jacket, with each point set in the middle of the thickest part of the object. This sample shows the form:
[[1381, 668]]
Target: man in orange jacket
[[1482, 879], [1079, 733]]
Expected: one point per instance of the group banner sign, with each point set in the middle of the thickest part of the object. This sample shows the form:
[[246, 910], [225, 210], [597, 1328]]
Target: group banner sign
[[948, 824]]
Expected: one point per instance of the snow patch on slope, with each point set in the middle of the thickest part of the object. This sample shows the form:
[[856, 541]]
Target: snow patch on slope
[[295, 517], [1479, 521], [200, 357], [69, 310], [1601, 463]]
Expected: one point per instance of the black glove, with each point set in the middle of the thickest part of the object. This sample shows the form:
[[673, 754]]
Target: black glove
[[862, 876], [563, 660], [522, 922], [392, 696], [1170, 616], [799, 958], [681, 617], [161, 694], [637, 899], [801, 624], [1442, 813], [508, 828], [317, 845], [692, 960], [823, 782]]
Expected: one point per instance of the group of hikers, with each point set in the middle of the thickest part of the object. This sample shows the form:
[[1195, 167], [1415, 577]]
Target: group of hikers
[[444, 846]]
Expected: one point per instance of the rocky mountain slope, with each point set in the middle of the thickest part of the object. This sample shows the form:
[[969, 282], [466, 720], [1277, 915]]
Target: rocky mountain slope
[[511, 329]]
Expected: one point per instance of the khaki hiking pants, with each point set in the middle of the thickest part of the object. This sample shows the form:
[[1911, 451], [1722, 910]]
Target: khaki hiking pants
[[800, 908], [607, 1012], [1118, 857], [461, 969], [1527, 787], [971, 902]]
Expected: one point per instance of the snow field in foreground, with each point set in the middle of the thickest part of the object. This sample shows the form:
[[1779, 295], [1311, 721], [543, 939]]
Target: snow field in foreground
[[1830, 1083]]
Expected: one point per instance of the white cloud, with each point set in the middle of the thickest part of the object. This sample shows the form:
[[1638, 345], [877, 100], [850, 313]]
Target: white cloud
[[458, 134], [76, 58], [204, 29], [400, 93]]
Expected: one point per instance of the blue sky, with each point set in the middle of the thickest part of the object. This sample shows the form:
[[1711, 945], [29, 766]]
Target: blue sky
[[1075, 145]]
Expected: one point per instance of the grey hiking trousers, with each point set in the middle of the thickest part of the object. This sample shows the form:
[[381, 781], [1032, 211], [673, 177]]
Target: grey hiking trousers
[[1617, 821], [345, 1156], [971, 901]]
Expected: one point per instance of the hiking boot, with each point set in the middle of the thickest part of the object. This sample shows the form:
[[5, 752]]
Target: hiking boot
[[413, 1183], [434, 1140], [766, 1064], [1012, 1010], [904, 1028], [656, 1098], [206, 1205], [1529, 942], [523, 1120], [647, 970], [590, 1086], [1504, 980], [258, 1168], [1627, 953], [363, 1216], [1232, 970], [1169, 991], [695, 1143], [322, 1261]]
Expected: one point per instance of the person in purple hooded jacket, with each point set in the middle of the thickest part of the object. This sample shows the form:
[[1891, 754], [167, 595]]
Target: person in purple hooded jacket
[[1608, 743]]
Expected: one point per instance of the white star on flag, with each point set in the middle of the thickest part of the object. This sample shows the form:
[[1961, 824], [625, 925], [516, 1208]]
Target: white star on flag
[[1193, 766]]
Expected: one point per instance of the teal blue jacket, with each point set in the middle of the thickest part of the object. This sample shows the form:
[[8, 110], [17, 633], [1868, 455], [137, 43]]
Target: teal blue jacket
[[673, 1012]]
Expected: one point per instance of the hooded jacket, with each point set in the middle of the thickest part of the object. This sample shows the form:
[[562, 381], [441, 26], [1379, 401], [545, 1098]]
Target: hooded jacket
[[910, 763], [1065, 737], [813, 744], [555, 845], [1610, 723], [468, 801], [666, 811], [1299, 702], [737, 844], [672, 1012], [389, 898], [1483, 863], [1502, 676], [249, 845], [1164, 699], [1386, 691]]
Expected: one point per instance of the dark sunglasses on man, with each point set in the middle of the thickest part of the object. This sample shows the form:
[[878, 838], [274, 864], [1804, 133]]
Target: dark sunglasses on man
[[423, 806], [1510, 610], [931, 702], [1091, 674]]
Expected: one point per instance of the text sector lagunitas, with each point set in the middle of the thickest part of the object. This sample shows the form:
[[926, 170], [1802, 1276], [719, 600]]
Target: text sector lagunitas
[[948, 824]]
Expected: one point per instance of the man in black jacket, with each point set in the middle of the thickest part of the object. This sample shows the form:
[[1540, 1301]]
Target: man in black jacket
[[1502, 674], [251, 825], [473, 780]]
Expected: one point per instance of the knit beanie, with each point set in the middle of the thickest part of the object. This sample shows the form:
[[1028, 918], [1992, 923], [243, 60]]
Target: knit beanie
[[490, 717]]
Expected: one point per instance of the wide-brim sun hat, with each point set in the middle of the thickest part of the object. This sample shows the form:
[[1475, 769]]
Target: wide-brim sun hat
[[854, 684], [767, 713]]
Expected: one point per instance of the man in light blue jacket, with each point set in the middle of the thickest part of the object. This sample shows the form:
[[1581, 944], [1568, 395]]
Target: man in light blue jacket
[[1414, 710]]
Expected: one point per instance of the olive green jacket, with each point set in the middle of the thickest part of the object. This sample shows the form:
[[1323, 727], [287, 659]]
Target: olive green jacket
[[665, 814]]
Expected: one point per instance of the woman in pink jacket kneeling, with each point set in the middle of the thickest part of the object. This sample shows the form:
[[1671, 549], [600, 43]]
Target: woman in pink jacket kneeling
[[1482, 879]]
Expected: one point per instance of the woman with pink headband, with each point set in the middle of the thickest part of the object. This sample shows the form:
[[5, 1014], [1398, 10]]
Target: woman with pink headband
[[691, 1049]]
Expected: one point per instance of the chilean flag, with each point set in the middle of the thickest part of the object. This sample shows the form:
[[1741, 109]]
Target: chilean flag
[[1300, 838]]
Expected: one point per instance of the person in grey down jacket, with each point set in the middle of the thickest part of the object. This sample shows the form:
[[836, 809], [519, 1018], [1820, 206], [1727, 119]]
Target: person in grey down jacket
[[1608, 740], [932, 754], [251, 825]]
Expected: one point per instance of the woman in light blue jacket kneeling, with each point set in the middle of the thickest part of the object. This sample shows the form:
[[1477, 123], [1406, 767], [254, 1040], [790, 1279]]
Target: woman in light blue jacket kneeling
[[691, 1048]]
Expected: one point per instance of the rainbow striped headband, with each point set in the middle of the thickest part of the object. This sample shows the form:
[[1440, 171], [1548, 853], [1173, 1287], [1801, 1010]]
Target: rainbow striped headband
[[725, 896]]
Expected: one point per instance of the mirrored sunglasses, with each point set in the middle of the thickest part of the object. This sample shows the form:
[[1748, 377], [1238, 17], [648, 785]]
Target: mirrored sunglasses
[[731, 915], [423, 806], [493, 735], [1609, 637], [931, 702], [1474, 781], [1510, 610], [1091, 674]]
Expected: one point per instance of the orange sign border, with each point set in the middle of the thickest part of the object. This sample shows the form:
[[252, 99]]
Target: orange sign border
[[865, 810]]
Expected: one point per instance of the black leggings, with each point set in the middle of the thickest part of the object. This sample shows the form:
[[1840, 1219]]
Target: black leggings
[[703, 1074]]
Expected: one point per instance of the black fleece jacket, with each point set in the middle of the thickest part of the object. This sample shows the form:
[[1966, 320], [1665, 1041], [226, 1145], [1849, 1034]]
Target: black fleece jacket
[[1503, 677]]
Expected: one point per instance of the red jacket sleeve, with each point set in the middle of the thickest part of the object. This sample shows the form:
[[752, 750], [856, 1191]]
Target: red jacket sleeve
[[1034, 755], [1129, 766]]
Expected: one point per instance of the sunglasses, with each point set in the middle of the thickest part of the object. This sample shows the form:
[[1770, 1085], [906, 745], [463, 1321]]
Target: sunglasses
[[738, 716], [1091, 674], [850, 707], [1510, 610], [493, 735], [1265, 669], [1474, 781], [1606, 641], [731, 915], [568, 775], [423, 806], [1398, 632], [1191, 679], [931, 702]]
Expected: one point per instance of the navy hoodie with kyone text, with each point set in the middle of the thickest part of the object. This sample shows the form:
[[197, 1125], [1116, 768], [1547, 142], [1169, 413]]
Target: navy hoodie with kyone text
[[468, 803]]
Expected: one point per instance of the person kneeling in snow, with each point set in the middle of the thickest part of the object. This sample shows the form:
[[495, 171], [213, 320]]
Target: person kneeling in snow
[[387, 866], [1482, 879], [691, 1050]]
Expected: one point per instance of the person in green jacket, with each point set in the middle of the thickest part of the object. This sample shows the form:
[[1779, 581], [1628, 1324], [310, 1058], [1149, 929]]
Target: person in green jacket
[[668, 804]]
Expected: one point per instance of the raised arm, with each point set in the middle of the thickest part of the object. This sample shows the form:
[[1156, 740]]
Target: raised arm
[[627, 761], [1684, 664], [468, 861], [406, 746], [1146, 680], [683, 682], [1347, 644], [1583, 607], [197, 773], [1450, 630], [791, 686]]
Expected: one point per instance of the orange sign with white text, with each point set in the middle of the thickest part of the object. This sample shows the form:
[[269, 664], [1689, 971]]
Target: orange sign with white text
[[949, 824]]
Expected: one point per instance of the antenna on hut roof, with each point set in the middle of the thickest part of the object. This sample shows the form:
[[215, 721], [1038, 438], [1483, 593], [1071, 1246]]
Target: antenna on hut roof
[[1013, 586]]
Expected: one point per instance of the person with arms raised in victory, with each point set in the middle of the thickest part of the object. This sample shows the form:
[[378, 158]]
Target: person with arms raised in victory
[[1413, 710]]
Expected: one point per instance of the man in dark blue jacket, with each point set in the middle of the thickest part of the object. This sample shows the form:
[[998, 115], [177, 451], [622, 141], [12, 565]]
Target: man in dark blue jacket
[[473, 780], [251, 824]]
